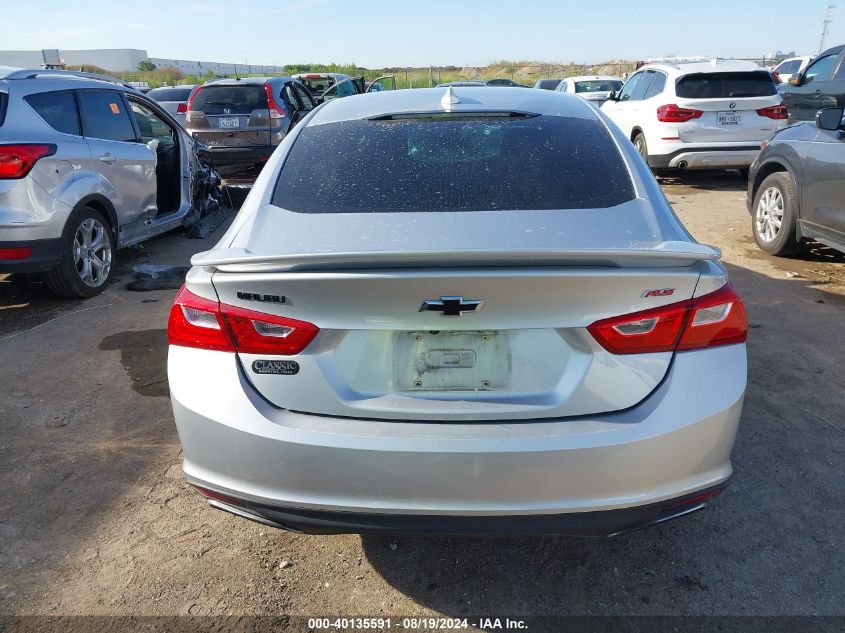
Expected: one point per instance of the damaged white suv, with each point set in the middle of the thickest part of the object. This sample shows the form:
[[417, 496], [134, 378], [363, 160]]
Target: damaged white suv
[[89, 165]]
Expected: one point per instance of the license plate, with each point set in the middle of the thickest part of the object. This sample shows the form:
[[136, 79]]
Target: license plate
[[451, 361], [729, 118], [230, 122]]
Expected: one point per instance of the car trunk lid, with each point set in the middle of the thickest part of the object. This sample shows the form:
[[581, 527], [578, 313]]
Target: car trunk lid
[[388, 347]]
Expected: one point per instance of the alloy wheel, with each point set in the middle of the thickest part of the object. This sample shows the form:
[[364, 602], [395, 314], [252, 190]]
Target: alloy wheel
[[92, 253], [769, 216]]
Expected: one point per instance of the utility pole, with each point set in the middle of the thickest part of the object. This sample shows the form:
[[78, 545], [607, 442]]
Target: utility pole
[[828, 18]]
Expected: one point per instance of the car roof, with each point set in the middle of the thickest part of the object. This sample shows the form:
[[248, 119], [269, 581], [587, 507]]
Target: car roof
[[245, 81], [832, 50], [469, 99], [56, 79], [321, 76], [594, 77], [711, 66]]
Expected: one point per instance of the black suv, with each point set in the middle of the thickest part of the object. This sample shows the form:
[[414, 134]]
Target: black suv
[[819, 85]]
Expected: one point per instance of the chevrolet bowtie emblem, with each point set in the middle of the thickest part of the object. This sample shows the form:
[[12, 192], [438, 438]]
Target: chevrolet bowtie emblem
[[452, 306]]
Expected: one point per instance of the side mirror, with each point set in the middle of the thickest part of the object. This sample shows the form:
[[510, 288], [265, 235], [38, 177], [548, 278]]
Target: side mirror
[[830, 119], [612, 96], [797, 80]]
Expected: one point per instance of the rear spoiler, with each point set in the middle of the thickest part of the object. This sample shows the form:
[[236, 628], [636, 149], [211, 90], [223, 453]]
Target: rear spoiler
[[665, 254]]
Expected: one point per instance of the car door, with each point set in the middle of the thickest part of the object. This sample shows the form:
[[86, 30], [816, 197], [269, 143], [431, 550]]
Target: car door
[[117, 155], [823, 185], [803, 101], [305, 101], [381, 83], [833, 95], [624, 110]]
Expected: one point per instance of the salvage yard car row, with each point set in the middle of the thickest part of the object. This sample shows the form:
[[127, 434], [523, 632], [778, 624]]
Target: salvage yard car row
[[679, 115]]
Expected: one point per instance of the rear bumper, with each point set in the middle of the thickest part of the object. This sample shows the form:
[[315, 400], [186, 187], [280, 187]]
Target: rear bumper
[[239, 156], [600, 523], [706, 158], [44, 256], [317, 472]]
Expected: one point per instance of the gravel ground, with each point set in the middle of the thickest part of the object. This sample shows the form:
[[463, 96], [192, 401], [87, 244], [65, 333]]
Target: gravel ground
[[95, 518]]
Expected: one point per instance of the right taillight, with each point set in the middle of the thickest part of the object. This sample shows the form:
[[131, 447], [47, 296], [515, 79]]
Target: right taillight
[[17, 160], [714, 319], [181, 108], [777, 112], [199, 322], [673, 114]]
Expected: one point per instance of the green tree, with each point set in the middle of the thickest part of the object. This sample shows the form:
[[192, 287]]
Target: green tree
[[146, 64]]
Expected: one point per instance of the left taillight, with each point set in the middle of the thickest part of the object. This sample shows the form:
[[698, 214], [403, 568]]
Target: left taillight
[[276, 111], [714, 319], [17, 160], [198, 322], [671, 113], [777, 112]]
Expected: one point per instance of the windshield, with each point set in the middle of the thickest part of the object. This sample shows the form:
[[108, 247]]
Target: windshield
[[453, 164], [598, 85], [757, 83], [230, 99]]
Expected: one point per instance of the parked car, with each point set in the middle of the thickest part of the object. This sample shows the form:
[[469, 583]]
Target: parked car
[[820, 85], [698, 115], [595, 88], [241, 121], [328, 86], [174, 99], [792, 66], [547, 84], [509, 83], [87, 166], [796, 187], [548, 351], [464, 83]]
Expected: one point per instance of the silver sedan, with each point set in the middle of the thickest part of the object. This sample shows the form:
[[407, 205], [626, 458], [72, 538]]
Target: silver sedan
[[457, 310]]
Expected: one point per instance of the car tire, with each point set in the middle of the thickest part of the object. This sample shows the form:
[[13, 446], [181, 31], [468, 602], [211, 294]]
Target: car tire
[[774, 214], [87, 257], [642, 148]]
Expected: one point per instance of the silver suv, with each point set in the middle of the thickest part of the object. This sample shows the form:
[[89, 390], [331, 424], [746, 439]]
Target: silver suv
[[87, 165]]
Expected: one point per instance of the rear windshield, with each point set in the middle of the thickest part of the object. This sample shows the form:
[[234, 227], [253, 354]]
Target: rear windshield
[[318, 86], [169, 94], [597, 85], [453, 164], [230, 99], [756, 83]]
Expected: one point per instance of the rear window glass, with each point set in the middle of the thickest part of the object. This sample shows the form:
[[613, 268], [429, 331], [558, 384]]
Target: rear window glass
[[58, 109], [230, 99], [169, 94], [453, 164], [726, 85], [597, 85]]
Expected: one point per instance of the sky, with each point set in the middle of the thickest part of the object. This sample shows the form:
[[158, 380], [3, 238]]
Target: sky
[[381, 33]]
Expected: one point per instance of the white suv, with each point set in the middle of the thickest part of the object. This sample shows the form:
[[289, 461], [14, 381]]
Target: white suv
[[698, 115]]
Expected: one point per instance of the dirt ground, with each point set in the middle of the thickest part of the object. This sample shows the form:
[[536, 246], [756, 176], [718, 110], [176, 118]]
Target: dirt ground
[[95, 517]]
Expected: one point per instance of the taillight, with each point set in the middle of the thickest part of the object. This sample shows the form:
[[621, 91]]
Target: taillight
[[276, 112], [673, 114], [190, 106], [181, 108], [17, 160], [774, 112], [714, 319], [198, 322]]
